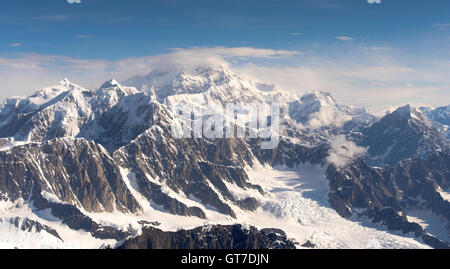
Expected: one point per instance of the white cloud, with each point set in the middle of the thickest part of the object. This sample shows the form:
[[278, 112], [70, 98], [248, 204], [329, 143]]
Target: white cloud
[[74, 1], [17, 44], [371, 78], [442, 24], [374, 1], [40, 70], [344, 38], [194, 56], [82, 36], [343, 151]]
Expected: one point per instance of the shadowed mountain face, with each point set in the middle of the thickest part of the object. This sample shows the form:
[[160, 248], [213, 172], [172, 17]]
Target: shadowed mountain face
[[76, 171], [209, 237], [88, 161], [401, 134]]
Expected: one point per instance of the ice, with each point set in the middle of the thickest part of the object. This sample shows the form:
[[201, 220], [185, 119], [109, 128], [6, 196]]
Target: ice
[[445, 194], [431, 223], [297, 203]]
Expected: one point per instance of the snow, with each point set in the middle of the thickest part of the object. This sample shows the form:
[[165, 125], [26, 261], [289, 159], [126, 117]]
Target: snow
[[296, 199], [203, 84], [297, 203], [10, 143], [445, 194], [318, 109], [431, 223], [13, 237]]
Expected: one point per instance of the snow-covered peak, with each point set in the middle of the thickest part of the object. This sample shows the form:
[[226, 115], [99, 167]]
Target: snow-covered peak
[[64, 81], [201, 84], [39, 98], [114, 88], [324, 98], [182, 79], [110, 83], [317, 109], [408, 112], [440, 114]]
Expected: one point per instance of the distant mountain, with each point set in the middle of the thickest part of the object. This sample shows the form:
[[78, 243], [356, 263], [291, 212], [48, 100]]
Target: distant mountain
[[59, 111], [319, 109], [399, 135], [441, 118]]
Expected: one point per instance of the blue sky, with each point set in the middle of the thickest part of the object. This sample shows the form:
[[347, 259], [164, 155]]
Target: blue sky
[[353, 34]]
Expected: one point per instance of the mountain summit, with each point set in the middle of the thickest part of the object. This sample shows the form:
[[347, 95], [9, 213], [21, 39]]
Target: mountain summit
[[204, 84]]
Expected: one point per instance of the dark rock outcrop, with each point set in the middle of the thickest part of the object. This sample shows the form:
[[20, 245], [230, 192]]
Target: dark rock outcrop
[[76, 172], [29, 225], [208, 237]]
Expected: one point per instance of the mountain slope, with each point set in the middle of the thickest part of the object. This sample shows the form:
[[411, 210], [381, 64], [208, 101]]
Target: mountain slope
[[399, 135]]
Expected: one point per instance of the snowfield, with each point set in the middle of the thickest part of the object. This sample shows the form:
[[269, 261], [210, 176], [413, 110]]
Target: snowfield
[[297, 203]]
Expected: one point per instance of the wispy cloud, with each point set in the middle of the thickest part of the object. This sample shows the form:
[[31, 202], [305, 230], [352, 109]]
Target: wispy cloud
[[74, 1], [344, 38], [83, 36], [361, 77], [375, 48], [442, 24], [40, 69], [343, 151], [17, 44], [56, 17], [295, 34], [368, 77]]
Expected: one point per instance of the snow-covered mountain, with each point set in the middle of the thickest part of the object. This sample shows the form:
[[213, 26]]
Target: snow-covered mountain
[[206, 84], [319, 109], [90, 168], [441, 118], [399, 135]]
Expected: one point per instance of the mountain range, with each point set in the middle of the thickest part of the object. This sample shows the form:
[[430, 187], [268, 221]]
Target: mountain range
[[100, 168]]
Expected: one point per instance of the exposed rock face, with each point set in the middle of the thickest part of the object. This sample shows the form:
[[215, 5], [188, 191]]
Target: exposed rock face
[[386, 194], [403, 134], [196, 167], [212, 237], [290, 154], [29, 225], [76, 172], [115, 116], [125, 120], [308, 244], [76, 220]]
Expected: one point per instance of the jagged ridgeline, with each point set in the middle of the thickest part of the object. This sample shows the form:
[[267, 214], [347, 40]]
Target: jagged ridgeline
[[93, 168]]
